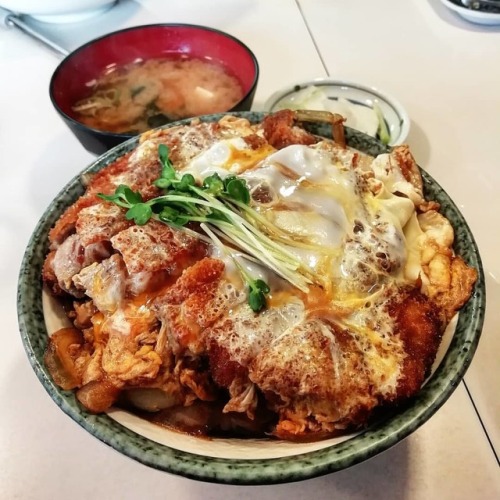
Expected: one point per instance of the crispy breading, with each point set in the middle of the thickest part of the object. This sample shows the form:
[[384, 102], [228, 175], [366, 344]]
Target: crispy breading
[[66, 224], [100, 222], [157, 314], [194, 303], [408, 166], [154, 247], [139, 176], [280, 131], [315, 370], [420, 325], [184, 142]]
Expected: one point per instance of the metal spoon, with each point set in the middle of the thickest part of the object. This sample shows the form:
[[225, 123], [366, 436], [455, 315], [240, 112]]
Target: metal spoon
[[10, 19]]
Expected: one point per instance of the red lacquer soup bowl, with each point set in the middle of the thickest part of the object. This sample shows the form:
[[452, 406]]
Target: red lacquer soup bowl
[[70, 81]]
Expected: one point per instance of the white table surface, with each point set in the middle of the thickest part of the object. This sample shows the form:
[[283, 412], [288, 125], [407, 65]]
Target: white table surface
[[444, 70]]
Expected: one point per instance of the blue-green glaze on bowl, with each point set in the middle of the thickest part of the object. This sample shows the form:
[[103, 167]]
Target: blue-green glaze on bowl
[[375, 439]]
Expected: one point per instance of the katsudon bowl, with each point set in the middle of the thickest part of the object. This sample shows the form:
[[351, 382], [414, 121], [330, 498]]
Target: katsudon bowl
[[247, 461]]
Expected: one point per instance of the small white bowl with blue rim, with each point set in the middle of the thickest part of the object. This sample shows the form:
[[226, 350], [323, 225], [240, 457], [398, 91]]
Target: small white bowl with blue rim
[[362, 98]]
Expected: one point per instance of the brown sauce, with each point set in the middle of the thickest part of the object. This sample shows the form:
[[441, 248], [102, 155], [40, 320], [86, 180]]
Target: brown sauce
[[206, 419]]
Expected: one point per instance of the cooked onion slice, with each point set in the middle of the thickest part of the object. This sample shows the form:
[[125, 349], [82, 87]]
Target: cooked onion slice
[[98, 396], [60, 357]]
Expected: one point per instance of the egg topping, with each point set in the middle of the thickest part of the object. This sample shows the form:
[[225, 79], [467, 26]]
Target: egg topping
[[170, 299], [354, 226]]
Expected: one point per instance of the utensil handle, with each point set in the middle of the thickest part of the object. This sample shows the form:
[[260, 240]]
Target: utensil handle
[[12, 20]]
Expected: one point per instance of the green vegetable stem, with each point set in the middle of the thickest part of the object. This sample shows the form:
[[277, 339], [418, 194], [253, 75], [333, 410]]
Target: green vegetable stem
[[222, 209]]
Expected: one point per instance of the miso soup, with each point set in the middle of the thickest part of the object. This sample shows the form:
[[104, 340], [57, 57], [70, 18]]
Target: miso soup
[[142, 95]]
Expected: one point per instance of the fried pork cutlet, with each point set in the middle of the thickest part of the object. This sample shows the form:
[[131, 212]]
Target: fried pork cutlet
[[162, 318]]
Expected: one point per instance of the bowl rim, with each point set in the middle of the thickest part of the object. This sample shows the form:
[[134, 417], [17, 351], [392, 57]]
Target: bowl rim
[[399, 109], [50, 9], [473, 15], [119, 136], [375, 439]]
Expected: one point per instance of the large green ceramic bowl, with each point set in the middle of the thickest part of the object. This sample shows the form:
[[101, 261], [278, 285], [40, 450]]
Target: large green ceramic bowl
[[238, 461]]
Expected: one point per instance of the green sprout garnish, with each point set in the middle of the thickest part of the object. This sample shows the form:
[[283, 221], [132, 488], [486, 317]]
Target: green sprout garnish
[[222, 208], [383, 132], [257, 295]]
